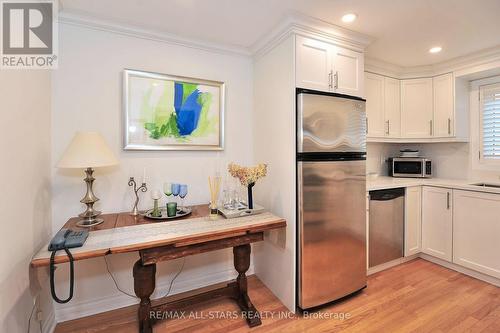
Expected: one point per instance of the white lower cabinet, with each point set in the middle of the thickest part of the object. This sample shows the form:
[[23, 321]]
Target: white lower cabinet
[[413, 220], [476, 231], [437, 222]]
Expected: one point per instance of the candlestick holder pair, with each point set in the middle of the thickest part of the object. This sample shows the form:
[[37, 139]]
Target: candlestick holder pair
[[142, 188]]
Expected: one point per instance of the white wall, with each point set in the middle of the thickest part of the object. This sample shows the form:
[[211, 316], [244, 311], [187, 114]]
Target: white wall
[[25, 196], [274, 112], [87, 96]]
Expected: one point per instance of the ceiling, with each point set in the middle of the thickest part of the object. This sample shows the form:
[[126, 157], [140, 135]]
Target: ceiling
[[403, 30]]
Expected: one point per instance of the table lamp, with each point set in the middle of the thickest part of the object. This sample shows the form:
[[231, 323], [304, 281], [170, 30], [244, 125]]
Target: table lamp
[[88, 150]]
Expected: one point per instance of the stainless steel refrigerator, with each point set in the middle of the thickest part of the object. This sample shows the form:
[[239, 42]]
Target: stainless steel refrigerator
[[331, 189]]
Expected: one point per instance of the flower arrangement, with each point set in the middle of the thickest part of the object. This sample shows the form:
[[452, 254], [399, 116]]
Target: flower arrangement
[[248, 176]]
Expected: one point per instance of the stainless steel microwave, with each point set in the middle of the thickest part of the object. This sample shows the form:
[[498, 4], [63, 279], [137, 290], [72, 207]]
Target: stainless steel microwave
[[412, 167]]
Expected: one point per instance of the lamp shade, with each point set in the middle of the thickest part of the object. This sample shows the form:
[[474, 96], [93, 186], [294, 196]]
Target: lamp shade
[[87, 150]]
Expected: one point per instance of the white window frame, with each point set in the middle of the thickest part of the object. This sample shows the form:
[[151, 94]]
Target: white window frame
[[476, 147]]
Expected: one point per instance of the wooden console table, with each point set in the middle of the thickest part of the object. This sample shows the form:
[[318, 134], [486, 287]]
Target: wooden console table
[[163, 241]]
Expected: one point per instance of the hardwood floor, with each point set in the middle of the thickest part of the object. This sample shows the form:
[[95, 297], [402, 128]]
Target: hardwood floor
[[417, 296]]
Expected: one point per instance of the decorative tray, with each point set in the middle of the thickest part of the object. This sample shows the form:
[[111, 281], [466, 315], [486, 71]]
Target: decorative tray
[[240, 211], [163, 211]]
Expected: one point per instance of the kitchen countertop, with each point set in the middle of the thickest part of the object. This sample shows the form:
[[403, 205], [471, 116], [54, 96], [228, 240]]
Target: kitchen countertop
[[384, 182]]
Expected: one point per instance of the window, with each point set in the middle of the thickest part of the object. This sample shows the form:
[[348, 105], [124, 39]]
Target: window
[[490, 121]]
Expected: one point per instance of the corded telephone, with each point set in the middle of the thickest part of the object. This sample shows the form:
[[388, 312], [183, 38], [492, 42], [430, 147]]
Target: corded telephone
[[64, 240]]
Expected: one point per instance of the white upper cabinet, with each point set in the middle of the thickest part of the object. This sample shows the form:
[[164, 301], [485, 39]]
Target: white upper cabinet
[[443, 105], [392, 107], [422, 110], [383, 106], [348, 69], [437, 222], [416, 108], [374, 94], [327, 67], [476, 230], [314, 64]]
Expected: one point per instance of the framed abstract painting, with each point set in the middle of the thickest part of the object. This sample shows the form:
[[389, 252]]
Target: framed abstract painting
[[165, 112]]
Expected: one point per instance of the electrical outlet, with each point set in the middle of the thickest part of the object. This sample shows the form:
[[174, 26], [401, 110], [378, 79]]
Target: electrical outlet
[[39, 315]]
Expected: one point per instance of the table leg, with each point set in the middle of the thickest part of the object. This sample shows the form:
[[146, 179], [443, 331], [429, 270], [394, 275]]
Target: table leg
[[144, 285], [241, 264]]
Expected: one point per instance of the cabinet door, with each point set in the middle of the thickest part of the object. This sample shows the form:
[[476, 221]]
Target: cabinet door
[[413, 220], [437, 222], [443, 105], [416, 108], [313, 64], [375, 121], [476, 231], [348, 72], [392, 107]]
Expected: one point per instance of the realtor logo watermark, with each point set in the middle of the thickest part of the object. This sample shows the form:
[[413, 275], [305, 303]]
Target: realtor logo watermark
[[29, 34]]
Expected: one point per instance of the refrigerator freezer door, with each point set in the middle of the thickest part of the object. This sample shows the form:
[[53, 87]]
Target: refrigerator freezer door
[[330, 124], [332, 230]]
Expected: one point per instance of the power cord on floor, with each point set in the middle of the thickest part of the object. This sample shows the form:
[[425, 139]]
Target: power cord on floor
[[116, 284], [175, 277], [31, 317], [130, 295]]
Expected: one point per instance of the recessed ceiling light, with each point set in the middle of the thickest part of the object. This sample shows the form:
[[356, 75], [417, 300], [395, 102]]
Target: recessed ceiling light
[[348, 18], [435, 49]]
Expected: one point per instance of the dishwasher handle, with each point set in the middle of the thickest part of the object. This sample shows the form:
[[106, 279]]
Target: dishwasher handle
[[386, 195]]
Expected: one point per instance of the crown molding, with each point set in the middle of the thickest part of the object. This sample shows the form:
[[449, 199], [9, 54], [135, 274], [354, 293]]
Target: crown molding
[[296, 23], [463, 65], [378, 66], [471, 60], [81, 19]]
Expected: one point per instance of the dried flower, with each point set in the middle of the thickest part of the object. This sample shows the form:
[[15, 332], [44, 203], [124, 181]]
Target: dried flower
[[247, 175]]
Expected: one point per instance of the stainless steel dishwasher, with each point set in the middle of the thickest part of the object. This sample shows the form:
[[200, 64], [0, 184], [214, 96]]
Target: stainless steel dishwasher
[[386, 226]]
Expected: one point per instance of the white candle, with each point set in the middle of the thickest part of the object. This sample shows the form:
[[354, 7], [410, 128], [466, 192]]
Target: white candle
[[144, 175]]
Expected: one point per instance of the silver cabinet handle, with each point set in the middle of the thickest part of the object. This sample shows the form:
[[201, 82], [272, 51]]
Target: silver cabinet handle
[[449, 126], [430, 127], [388, 127], [336, 76], [448, 200], [330, 79]]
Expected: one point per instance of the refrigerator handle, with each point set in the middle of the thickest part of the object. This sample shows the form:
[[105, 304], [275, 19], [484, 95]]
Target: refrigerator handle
[[300, 115]]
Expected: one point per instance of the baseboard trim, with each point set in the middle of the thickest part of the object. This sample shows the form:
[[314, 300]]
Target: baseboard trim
[[477, 275], [119, 300], [49, 325], [392, 263]]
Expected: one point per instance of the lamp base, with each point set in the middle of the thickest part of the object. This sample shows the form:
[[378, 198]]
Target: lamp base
[[89, 216], [89, 223]]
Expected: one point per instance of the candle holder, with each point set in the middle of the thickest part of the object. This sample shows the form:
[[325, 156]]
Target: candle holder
[[142, 188]]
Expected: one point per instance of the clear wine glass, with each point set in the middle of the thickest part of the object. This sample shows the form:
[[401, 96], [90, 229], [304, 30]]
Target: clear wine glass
[[167, 189], [183, 191]]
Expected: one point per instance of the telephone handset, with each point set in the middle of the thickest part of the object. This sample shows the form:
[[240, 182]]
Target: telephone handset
[[64, 240]]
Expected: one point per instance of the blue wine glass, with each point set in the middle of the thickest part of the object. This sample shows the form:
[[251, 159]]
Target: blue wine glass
[[176, 189], [183, 191]]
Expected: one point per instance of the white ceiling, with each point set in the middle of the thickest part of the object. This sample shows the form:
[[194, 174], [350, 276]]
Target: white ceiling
[[403, 30]]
